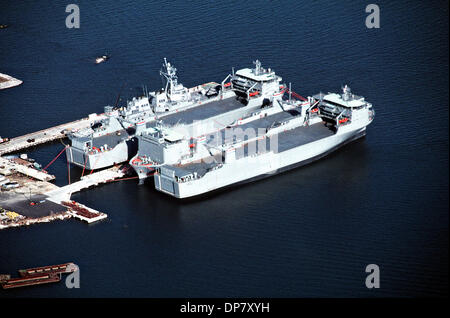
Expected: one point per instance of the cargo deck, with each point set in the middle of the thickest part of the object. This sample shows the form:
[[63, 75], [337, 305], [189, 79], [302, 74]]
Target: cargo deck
[[286, 140], [208, 110]]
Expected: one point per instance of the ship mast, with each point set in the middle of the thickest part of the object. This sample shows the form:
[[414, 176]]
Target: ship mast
[[170, 74]]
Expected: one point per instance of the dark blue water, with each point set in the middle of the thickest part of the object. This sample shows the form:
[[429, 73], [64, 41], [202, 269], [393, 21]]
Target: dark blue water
[[309, 232]]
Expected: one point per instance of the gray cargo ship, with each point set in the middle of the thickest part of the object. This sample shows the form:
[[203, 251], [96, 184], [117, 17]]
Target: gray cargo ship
[[267, 145], [174, 137]]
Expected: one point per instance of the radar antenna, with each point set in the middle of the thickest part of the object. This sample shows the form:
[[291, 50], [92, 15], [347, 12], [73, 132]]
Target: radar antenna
[[169, 72]]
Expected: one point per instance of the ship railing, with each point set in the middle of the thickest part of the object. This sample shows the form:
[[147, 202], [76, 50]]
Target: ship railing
[[224, 80]]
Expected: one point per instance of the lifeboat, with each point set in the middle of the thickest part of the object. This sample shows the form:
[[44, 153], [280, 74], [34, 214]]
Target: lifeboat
[[136, 161]]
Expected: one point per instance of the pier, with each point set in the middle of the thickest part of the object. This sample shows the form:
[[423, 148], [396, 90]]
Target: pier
[[36, 200], [47, 135], [83, 213], [38, 138], [64, 193]]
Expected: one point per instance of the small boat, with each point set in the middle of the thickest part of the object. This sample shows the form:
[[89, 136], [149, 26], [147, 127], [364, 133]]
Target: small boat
[[101, 59]]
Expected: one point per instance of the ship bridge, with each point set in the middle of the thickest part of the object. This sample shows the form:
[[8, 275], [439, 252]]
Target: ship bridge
[[256, 82], [339, 108]]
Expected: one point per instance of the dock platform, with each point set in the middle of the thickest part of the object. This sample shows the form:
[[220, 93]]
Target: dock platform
[[53, 196], [84, 213], [64, 193], [8, 165]]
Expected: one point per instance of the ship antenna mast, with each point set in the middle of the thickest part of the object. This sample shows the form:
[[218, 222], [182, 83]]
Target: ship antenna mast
[[170, 74], [257, 67]]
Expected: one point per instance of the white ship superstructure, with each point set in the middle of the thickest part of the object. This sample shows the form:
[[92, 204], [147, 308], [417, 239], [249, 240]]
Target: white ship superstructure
[[256, 82], [174, 95], [269, 145]]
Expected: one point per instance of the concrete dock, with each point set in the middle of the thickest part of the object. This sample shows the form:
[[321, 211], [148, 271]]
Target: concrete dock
[[46, 202], [37, 138], [8, 166], [64, 193], [26, 204], [47, 135]]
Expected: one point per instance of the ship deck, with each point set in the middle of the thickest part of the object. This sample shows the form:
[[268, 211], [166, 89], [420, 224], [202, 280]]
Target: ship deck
[[111, 139], [209, 109], [286, 140], [201, 168], [302, 135]]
